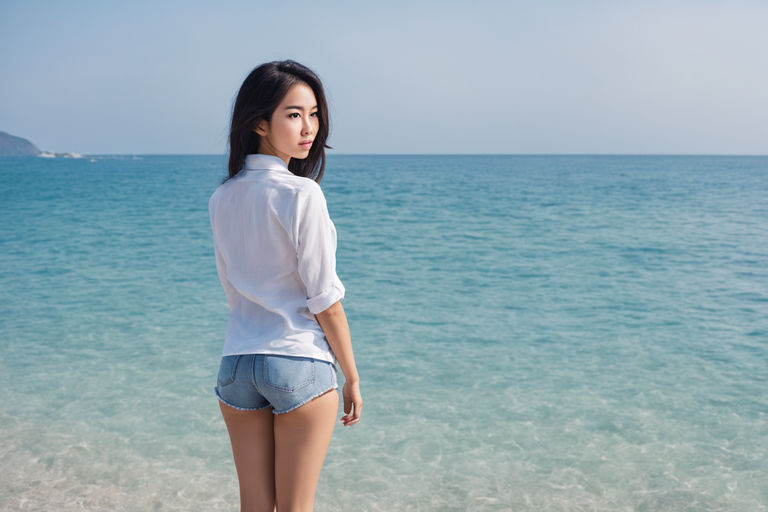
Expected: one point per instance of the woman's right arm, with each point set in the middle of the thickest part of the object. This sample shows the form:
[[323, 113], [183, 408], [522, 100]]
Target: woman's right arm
[[333, 321]]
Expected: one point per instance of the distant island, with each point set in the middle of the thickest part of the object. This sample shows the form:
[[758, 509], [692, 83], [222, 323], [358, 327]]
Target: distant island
[[10, 145]]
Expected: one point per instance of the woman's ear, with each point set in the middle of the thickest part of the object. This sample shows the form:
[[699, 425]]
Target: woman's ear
[[261, 127]]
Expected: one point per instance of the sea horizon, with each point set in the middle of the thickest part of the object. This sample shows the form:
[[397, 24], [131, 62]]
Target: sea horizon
[[330, 152]]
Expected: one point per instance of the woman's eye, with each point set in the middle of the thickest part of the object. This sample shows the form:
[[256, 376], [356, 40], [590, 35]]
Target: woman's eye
[[296, 114], [313, 114]]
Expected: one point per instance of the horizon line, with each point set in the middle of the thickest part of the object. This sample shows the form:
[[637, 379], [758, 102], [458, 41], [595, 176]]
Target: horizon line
[[441, 154]]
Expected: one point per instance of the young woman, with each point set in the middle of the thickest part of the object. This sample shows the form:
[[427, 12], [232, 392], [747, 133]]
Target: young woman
[[275, 248]]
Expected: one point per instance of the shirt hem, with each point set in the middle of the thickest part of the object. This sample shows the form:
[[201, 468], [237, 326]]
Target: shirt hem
[[329, 357]]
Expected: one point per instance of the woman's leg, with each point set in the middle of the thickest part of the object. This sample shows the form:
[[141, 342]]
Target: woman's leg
[[302, 437], [253, 446]]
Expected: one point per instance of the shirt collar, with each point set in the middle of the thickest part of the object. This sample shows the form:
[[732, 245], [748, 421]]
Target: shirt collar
[[259, 161]]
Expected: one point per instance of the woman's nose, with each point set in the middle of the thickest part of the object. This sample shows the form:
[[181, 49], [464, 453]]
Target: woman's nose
[[307, 127]]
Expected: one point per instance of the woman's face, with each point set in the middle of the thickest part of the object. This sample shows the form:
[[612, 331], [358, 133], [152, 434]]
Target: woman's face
[[294, 124]]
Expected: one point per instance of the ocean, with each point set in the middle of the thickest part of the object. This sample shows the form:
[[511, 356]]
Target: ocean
[[533, 333]]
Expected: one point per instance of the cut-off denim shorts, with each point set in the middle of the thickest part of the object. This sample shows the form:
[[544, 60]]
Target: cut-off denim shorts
[[250, 382]]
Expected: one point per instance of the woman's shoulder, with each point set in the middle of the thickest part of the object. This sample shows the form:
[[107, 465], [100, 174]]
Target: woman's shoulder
[[298, 187], [272, 187]]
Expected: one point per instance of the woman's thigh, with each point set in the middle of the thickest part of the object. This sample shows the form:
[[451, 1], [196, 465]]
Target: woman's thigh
[[302, 437], [253, 447]]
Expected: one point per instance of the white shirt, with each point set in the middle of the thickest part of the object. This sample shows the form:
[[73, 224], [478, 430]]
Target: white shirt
[[275, 248]]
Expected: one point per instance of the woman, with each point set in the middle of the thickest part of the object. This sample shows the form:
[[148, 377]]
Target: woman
[[275, 250]]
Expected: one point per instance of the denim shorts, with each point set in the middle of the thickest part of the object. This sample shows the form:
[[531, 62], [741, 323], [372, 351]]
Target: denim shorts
[[250, 382]]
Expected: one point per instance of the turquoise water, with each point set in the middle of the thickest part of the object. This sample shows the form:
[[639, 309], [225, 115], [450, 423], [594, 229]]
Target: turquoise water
[[539, 333]]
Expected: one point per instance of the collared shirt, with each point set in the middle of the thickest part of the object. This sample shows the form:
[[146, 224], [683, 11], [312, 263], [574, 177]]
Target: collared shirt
[[275, 248]]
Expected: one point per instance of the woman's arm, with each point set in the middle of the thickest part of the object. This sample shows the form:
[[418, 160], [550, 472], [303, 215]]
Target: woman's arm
[[334, 324]]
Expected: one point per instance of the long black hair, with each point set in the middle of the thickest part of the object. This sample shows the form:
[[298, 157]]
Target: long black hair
[[262, 91]]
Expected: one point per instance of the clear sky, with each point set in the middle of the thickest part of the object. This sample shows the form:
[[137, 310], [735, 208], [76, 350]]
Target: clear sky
[[542, 76]]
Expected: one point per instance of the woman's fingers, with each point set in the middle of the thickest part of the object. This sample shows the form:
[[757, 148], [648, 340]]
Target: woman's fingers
[[353, 405], [350, 419]]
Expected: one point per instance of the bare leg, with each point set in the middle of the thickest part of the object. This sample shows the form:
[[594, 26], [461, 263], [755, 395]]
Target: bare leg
[[302, 437], [253, 447]]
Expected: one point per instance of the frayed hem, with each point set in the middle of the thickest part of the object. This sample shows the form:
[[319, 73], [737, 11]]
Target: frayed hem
[[239, 408], [335, 386]]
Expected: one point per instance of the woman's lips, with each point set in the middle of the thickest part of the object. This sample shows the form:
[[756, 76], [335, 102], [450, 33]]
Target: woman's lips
[[306, 145]]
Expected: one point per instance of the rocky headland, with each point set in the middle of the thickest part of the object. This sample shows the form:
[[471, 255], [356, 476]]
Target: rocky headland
[[11, 145]]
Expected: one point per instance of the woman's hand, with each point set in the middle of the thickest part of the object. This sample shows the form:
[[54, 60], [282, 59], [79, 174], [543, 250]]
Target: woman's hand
[[333, 321], [353, 403]]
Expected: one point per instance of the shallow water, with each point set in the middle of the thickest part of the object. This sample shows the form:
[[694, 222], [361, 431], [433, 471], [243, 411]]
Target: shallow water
[[532, 332]]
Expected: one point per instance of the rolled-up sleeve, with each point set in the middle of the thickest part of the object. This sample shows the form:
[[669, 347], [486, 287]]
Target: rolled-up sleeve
[[316, 250]]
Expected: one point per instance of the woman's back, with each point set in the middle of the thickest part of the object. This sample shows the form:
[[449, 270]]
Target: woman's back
[[274, 276]]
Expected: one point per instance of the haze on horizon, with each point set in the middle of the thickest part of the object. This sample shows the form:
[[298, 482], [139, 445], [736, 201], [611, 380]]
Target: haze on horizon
[[635, 77]]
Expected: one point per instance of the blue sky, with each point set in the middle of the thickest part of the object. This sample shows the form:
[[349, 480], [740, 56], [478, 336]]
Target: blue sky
[[402, 77]]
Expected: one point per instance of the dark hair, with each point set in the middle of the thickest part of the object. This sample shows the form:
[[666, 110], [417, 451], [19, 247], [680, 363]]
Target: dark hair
[[262, 91]]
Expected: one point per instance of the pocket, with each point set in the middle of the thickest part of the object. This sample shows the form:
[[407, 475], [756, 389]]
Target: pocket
[[289, 373], [227, 370]]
